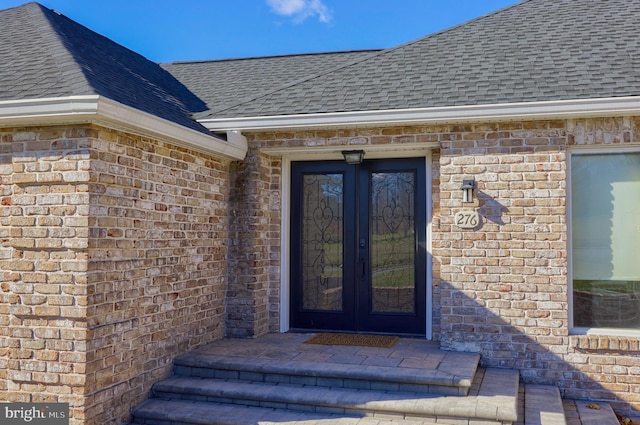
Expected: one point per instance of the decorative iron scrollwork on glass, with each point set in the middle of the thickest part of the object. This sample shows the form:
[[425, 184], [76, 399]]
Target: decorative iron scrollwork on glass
[[322, 242], [393, 241]]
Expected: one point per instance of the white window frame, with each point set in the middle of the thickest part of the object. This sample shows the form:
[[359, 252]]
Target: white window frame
[[570, 152]]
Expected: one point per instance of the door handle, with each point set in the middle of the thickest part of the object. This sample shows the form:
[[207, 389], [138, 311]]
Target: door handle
[[363, 262]]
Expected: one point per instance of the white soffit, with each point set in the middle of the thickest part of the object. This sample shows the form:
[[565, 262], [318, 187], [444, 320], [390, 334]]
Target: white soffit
[[560, 109], [102, 111]]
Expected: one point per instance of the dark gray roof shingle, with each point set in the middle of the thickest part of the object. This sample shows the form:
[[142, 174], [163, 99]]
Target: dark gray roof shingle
[[44, 54], [26, 58], [224, 83], [536, 50]]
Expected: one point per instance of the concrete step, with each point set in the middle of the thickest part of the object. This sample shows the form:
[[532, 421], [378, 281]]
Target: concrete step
[[497, 406], [447, 373], [543, 406], [495, 400], [282, 379], [596, 413], [182, 412]]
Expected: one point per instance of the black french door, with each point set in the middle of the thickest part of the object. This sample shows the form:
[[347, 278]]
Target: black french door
[[358, 248]]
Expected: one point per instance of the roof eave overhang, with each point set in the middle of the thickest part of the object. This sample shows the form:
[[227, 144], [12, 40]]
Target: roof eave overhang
[[560, 109], [94, 109]]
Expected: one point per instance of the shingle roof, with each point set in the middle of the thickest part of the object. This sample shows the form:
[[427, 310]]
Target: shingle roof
[[44, 54], [536, 50], [225, 83]]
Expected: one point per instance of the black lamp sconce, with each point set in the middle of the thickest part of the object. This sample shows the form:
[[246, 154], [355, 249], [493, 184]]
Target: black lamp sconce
[[467, 191]]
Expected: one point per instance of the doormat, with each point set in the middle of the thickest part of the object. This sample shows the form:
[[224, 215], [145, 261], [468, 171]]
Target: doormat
[[354, 340]]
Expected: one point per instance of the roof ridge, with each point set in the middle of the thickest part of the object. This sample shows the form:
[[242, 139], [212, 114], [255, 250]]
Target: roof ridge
[[270, 57], [210, 113], [22, 6], [58, 51], [461, 24]]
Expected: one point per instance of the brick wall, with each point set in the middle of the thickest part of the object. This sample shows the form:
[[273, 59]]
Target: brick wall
[[501, 289], [507, 278], [113, 263], [504, 285], [157, 270], [115, 251]]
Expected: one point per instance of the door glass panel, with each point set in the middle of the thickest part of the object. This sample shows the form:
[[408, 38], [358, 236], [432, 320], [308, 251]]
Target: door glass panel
[[322, 242], [393, 242]]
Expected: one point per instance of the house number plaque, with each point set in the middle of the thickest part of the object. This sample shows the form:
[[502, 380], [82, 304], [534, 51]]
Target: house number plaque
[[467, 219]]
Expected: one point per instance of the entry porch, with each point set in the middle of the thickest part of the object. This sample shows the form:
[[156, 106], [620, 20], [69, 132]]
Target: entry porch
[[281, 378]]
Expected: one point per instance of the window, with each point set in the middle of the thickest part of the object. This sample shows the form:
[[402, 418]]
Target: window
[[605, 239]]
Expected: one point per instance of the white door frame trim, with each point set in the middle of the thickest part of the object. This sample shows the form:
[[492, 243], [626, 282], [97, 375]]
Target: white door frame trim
[[285, 251]]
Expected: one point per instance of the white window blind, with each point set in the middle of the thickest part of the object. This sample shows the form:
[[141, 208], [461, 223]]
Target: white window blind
[[606, 216]]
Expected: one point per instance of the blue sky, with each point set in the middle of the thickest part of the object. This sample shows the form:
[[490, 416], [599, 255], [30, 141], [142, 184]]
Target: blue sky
[[171, 30]]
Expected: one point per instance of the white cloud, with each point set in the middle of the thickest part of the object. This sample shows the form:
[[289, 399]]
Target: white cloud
[[301, 9], [287, 7]]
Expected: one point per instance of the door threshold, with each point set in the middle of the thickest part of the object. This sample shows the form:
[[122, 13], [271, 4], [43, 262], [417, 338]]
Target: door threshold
[[333, 331]]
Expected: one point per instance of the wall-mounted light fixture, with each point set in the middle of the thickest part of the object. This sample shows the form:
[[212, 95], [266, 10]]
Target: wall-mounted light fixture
[[467, 191], [353, 157]]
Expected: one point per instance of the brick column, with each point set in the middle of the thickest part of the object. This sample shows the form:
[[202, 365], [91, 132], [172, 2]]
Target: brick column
[[113, 254], [43, 262], [249, 250]]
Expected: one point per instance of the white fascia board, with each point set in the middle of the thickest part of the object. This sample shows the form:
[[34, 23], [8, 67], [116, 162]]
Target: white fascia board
[[111, 111], [564, 109], [47, 111], [102, 111]]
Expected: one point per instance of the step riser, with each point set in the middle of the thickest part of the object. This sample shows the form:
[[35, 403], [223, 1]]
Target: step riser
[[356, 384], [328, 419], [314, 408], [153, 421], [443, 420], [492, 403], [277, 405], [393, 416]]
